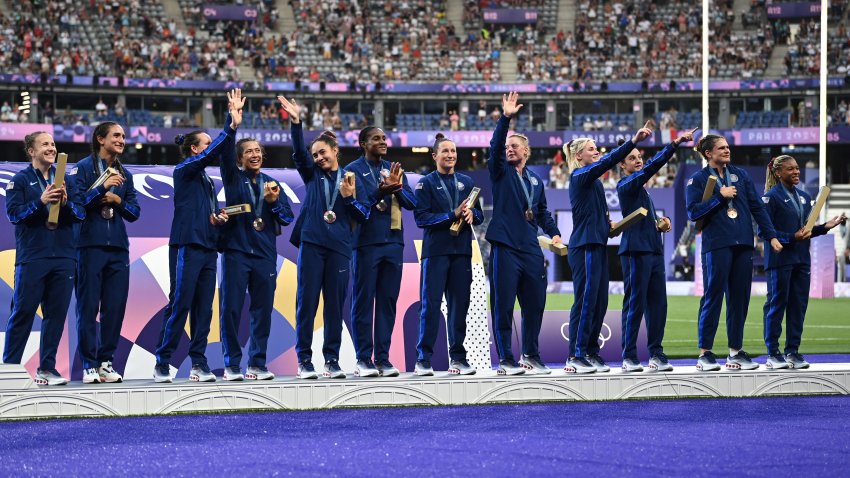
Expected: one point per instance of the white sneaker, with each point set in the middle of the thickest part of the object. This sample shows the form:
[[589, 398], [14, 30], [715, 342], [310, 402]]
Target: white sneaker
[[306, 371], [365, 368], [533, 366], [659, 363], [259, 373], [631, 365], [201, 373], [90, 375], [49, 377], [579, 365], [233, 374], [423, 368], [108, 374], [162, 373]]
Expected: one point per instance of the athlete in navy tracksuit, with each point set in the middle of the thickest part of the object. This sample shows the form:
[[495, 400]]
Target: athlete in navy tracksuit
[[44, 257], [103, 252], [516, 261], [446, 258], [249, 258], [193, 247], [789, 271], [641, 250], [324, 239], [727, 249], [378, 248], [587, 255]]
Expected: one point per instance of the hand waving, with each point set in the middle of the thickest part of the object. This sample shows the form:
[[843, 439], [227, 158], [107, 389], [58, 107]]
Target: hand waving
[[291, 107], [509, 104], [235, 103]]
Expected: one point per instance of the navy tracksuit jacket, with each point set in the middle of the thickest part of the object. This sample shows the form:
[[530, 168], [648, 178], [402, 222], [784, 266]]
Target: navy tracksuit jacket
[[727, 250], [324, 251], [377, 262], [587, 254], [641, 256], [788, 272], [192, 251], [446, 260], [516, 261], [103, 262], [44, 263], [249, 261]]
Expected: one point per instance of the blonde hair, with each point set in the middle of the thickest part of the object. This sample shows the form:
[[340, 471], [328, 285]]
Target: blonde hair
[[524, 140], [572, 149], [772, 167]]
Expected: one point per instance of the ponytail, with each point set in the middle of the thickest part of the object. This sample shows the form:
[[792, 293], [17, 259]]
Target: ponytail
[[772, 167], [571, 151]]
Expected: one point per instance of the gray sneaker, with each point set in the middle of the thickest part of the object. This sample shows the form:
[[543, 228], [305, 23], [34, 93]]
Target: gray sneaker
[[659, 363], [579, 365], [365, 368], [533, 366], [598, 363], [332, 370], [108, 374], [631, 365], [461, 367], [776, 362], [162, 373], [233, 374], [386, 369], [423, 368], [740, 361], [509, 366], [795, 360], [258, 373], [707, 362], [306, 371], [49, 377], [201, 373]]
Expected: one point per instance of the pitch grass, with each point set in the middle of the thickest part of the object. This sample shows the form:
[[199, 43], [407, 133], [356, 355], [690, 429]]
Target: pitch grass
[[827, 326]]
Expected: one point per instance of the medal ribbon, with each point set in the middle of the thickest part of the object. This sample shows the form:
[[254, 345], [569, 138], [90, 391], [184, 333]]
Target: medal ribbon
[[330, 200], [456, 201]]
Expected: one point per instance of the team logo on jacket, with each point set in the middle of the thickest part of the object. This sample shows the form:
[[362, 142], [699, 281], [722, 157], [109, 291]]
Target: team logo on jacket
[[419, 185], [802, 200], [734, 178], [460, 186], [765, 199], [533, 180], [690, 181]]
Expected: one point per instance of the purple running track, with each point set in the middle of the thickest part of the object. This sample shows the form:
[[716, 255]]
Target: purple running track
[[784, 436]]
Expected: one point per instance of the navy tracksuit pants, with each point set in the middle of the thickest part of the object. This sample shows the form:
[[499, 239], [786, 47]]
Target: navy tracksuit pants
[[45, 282], [645, 296], [787, 295], [320, 271], [103, 282], [729, 271], [589, 264], [241, 271], [452, 275], [516, 275], [377, 282], [192, 270]]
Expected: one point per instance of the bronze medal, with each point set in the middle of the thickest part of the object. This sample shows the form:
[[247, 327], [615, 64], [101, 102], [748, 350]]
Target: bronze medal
[[258, 224], [330, 217], [732, 213], [107, 212], [381, 206], [529, 215]]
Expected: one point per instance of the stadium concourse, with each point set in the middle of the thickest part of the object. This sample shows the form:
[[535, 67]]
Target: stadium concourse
[[598, 69]]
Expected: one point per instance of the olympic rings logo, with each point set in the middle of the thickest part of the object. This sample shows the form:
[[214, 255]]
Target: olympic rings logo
[[602, 334]]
